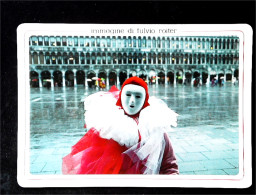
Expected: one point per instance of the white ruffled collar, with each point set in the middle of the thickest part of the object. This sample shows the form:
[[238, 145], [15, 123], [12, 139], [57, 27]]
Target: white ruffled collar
[[112, 123]]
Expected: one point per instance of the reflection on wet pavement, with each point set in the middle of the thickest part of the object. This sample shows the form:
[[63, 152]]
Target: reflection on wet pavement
[[205, 140]]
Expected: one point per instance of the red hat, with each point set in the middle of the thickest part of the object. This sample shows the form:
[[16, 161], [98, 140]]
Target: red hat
[[134, 81]]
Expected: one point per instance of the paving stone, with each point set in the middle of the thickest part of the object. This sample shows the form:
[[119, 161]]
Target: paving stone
[[233, 161], [217, 164], [195, 156], [232, 171], [211, 172], [211, 147], [220, 154], [52, 167], [191, 166], [37, 167], [196, 149], [187, 173]]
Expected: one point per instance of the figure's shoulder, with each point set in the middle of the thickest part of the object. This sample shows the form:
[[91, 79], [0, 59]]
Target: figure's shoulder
[[159, 113], [101, 99]]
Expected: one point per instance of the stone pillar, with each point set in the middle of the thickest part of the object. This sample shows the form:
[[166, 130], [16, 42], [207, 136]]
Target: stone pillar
[[63, 79], [156, 79], [75, 81], [117, 78], [85, 80], [174, 81], [107, 78], [208, 78], [192, 73], [52, 82], [165, 81], [40, 80], [183, 77], [232, 76]]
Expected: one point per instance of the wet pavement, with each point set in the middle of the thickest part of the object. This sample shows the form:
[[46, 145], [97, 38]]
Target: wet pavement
[[205, 140]]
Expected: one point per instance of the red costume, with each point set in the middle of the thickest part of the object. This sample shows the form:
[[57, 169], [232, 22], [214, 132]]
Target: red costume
[[123, 144]]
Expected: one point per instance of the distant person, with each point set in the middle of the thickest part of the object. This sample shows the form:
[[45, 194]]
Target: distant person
[[127, 134]]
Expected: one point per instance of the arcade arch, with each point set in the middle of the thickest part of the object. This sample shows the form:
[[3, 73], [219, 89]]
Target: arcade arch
[[122, 77], [80, 77], [143, 75], [161, 77], [152, 77], [46, 79], [34, 79], [57, 78], [69, 78], [112, 78], [170, 77], [188, 77]]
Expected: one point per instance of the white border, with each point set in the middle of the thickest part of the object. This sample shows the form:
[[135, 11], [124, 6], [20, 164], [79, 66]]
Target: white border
[[242, 180]]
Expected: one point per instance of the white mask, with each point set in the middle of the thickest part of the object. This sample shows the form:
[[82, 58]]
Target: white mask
[[133, 98]]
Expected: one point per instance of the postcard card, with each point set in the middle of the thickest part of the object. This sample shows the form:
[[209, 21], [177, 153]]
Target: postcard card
[[134, 105]]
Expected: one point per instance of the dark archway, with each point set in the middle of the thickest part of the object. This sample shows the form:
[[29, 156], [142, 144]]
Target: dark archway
[[102, 75], [57, 78], [170, 77], [152, 77], [196, 74], [179, 78], [69, 78], [122, 77], [228, 77], [112, 78], [220, 78], [46, 79], [34, 79], [143, 75], [213, 76], [188, 78], [161, 78], [236, 74], [80, 77], [204, 77], [103, 79], [90, 81]]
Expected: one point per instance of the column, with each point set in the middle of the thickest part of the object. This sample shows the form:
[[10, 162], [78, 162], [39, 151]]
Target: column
[[192, 73], [174, 81], [85, 80], [107, 78], [183, 77], [52, 84], [232, 76], [117, 79], [75, 81], [40, 80], [208, 78], [32, 58], [165, 81], [63, 79], [201, 77]]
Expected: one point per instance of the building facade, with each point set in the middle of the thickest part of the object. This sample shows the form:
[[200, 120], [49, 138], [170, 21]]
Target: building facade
[[79, 60]]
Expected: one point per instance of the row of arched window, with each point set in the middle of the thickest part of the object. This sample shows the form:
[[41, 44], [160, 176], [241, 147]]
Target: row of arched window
[[137, 42], [131, 58]]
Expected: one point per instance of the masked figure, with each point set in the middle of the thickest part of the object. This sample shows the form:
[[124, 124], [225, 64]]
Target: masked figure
[[127, 134]]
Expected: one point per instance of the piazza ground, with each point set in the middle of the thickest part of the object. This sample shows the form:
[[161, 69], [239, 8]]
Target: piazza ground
[[206, 140]]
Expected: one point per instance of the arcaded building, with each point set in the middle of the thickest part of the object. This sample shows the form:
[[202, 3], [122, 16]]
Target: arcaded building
[[65, 61]]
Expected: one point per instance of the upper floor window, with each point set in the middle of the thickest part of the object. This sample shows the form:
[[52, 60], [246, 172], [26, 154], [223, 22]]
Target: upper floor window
[[34, 40], [46, 41]]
